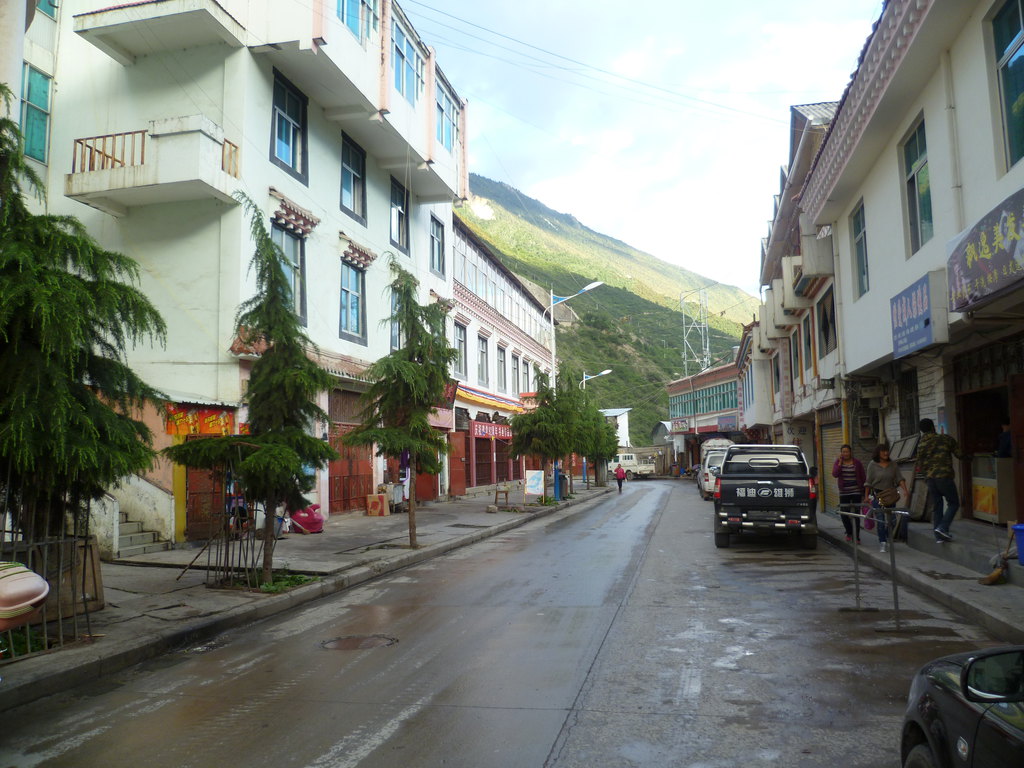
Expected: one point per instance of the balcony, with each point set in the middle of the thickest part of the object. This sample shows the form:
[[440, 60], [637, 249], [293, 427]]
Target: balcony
[[795, 285], [125, 32], [183, 158], [815, 250]]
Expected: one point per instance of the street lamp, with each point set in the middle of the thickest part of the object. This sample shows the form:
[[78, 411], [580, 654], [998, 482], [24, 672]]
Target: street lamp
[[551, 318], [583, 384]]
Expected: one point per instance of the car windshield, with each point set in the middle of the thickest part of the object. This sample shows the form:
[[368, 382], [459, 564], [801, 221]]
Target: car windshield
[[714, 459], [775, 463]]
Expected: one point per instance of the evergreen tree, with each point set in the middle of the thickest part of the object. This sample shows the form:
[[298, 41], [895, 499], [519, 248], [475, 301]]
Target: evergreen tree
[[270, 463], [69, 312], [408, 385], [543, 431]]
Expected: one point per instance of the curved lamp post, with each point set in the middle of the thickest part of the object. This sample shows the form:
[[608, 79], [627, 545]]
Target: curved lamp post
[[586, 378]]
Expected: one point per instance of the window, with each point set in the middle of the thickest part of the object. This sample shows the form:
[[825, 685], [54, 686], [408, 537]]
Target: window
[[776, 375], [860, 249], [919, 194], [292, 248], [360, 16], [1008, 34], [515, 374], [353, 179], [526, 377], [794, 349], [460, 349], [536, 377], [49, 7], [436, 246], [399, 216], [447, 127], [500, 360], [288, 133], [35, 112], [909, 404], [807, 341], [481, 360], [406, 63], [396, 327], [826, 324], [352, 307]]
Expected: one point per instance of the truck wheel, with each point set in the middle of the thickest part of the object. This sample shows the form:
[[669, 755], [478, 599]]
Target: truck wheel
[[809, 540], [629, 474], [722, 540]]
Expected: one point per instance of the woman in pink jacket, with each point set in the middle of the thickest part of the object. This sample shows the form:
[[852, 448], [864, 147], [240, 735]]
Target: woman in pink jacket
[[850, 476]]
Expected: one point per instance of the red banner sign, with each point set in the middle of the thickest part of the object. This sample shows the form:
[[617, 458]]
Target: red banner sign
[[486, 429], [192, 420]]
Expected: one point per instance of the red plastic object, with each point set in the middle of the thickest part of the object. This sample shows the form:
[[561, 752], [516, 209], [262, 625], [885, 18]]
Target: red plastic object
[[308, 520]]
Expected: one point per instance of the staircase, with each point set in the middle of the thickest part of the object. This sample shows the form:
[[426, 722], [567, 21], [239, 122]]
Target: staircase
[[132, 540]]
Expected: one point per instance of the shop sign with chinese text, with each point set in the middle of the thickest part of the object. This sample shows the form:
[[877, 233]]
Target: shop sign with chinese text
[[987, 259], [486, 429], [918, 319]]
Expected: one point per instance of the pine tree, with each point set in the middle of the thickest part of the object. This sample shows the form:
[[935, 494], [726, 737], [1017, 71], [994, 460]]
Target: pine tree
[[543, 431], [269, 464], [69, 312], [408, 385]]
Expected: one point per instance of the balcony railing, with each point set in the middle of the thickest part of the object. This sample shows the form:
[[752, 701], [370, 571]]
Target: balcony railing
[[114, 150], [229, 158]]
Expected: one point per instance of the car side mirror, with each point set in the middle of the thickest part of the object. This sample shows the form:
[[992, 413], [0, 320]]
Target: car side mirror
[[994, 677]]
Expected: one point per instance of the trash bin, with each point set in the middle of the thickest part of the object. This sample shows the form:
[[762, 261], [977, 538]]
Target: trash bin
[[563, 488], [1019, 532]]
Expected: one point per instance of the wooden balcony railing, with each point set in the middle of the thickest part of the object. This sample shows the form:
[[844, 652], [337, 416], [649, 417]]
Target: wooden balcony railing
[[229, 158], [115, 150]]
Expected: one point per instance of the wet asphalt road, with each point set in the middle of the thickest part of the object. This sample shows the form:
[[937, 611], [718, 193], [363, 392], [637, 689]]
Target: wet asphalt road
[[611, 634]]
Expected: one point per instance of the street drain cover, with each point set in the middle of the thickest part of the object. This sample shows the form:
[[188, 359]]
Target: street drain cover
[[467, 525], [358, 642]]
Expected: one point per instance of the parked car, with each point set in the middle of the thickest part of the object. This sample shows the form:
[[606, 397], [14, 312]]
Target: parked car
[[705, 476], [966, 710], [635, 466]]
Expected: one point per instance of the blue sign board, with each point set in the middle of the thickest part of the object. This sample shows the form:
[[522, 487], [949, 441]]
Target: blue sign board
[[914, 316]]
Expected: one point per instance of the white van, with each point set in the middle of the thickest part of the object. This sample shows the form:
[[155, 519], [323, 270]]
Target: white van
[[642, 466]]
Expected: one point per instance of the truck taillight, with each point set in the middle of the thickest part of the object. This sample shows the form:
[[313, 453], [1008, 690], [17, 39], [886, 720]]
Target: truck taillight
[[812, 487], [718, 487]]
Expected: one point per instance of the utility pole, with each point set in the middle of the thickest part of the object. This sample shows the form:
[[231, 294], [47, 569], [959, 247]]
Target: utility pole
[[696, 344]]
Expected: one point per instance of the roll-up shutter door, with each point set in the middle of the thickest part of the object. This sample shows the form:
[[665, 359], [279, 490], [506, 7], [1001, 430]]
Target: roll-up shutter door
[[831, 441]]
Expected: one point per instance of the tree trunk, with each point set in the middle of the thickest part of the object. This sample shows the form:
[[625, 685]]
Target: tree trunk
[[413, 471], [544, 469], [269, 540]]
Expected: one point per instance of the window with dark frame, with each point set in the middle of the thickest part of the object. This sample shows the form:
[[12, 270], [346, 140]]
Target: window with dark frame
[[396, 327], [1008, 38], [49, 7], [909, 403], [807, 341], [460, 349], [353, 179], [35, 112], [515, 374], [827, 331], [352, 314], [918, 185], [399, 216], [437, 246], [288, 132], [860, 249], [293, 248], [502, 373], [482, 361]]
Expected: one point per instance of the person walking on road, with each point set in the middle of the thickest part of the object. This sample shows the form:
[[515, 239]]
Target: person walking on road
[[850, 477], [882, 475], [620, 475], [935, 461]]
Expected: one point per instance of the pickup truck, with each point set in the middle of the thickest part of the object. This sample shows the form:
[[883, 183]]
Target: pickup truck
[[766, 489]]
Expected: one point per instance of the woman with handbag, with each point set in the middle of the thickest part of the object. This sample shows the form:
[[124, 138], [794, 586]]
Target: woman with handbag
[[882, 488]]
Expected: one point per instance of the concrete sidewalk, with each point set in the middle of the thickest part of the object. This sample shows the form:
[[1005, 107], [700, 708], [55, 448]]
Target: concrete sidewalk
[[155, 603]]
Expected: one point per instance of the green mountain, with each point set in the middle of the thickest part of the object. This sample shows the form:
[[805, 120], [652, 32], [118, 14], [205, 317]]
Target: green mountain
[[633, 324]]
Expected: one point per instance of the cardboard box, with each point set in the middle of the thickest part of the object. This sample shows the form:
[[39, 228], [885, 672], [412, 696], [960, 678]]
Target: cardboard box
[[377, 505]]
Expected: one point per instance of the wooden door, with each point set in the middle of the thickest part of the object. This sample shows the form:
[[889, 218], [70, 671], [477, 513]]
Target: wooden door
[[458, 463], [350, 476]]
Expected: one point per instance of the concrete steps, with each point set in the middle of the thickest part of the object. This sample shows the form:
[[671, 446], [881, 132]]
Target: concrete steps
[[132, 540]]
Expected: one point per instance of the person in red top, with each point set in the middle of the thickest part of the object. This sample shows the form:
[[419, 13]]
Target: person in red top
[[850, 476], [620, 475]]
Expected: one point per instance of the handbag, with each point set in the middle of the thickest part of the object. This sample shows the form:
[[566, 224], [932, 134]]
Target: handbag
[[869, 520], [890, 497]]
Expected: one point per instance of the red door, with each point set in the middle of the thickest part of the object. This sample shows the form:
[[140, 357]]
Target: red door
[[204, 498], [350, 475], [458, 463]]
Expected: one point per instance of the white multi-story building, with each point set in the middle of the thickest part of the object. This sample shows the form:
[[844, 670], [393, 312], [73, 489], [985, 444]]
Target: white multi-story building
[[501, 333], [146, 118]]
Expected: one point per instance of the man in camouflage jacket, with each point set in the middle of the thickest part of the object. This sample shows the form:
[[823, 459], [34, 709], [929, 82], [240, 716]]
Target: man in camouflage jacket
[[935, 461]]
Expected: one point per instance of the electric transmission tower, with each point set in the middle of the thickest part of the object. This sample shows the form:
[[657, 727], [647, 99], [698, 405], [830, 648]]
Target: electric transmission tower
[[696, 345]]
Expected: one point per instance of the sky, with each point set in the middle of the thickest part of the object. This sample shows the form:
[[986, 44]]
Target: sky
[[663, 124]]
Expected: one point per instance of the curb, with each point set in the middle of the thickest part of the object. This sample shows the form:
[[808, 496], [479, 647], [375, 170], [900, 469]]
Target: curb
[[69, 667]]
